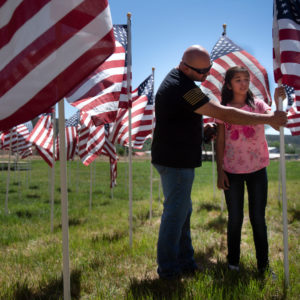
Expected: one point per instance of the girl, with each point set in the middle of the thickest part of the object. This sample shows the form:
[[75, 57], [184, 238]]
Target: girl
[[242, 157]]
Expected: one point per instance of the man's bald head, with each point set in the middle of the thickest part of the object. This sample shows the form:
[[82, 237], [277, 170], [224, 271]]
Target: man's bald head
[[195, 57], [193, 54]]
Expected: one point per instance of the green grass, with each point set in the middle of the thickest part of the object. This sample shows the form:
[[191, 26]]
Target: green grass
[[104, 266]]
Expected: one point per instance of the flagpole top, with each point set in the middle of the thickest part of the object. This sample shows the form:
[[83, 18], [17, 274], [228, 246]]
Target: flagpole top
[[153, 68], [224, 29], [129, 15]]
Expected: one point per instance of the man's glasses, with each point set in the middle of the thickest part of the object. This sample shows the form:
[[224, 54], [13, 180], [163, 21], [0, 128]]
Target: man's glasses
[[199, 71]]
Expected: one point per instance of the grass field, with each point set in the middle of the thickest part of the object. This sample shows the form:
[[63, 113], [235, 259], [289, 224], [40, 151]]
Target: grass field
[[104, 266]]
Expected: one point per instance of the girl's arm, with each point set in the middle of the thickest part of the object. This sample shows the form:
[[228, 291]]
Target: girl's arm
[[223, 182]]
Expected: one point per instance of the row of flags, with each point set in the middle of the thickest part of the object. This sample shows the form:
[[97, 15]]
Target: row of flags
[[85, 139], [75, 52], [15, 140], [99, 88]]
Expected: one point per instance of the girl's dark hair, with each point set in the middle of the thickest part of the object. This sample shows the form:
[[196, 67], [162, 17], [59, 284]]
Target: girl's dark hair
[[227, 94]]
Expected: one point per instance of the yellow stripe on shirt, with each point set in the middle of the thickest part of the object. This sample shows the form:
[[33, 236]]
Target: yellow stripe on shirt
[[194, 96]]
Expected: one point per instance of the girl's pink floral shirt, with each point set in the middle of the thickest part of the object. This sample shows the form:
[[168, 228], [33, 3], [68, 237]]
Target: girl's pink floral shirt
[[246, 148]]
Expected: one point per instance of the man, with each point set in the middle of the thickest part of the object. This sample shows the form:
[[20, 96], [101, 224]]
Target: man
[[176, 152]]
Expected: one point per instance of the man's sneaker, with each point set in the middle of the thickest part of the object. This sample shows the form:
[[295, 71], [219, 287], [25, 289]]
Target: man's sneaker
[[233, 268]]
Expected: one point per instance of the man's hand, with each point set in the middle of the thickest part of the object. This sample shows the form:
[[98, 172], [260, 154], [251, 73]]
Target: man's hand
[[210, 132], [278, 119]]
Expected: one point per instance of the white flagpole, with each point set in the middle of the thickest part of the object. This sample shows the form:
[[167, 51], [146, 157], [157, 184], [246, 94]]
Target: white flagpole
[[77, 173], [213, 168], [64, 201], [17, 166], [151, 167], [8, 173], [129, 121], [53, 168], [284, 200], [91, 186], [279, 182]]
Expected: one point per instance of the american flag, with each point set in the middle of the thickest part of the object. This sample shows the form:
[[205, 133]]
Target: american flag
[[103, 91], [47, 48], [286, 44], [91, 139], [294, 121], [142, 117], [293, 115], [71, 128], [42, 137], [110, 150], [18, 136], [290, 96], [226, 54]]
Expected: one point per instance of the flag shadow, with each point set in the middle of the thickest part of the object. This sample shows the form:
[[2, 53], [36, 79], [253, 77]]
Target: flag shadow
[[218, 224], [208, 207], [156, 289], [53, 289], [294, 215]]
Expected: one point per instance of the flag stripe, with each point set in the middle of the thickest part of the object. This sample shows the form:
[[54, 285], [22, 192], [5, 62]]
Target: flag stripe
[[14, 15]]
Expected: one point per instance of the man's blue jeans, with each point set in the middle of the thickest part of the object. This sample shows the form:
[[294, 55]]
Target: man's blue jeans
[[257, 186], [175, 253]]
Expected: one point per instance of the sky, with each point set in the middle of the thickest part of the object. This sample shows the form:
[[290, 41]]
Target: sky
[[163, 29]]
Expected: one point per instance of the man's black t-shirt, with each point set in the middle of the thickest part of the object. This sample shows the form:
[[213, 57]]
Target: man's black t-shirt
[[177, 136]]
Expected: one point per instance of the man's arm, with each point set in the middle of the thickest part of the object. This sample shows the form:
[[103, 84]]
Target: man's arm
[[236, 116]]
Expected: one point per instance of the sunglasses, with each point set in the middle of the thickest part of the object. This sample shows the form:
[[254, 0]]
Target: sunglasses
[[199, 71]]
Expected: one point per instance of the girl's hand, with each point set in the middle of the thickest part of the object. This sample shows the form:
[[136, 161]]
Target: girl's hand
[[279, 93], [223, 182]]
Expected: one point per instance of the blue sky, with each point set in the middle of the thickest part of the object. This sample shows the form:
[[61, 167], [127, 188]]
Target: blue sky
[[162, 30]]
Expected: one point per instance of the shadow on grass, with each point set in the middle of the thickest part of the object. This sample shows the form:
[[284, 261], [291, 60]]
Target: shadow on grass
[[295, 215], [113, 236], [50, 290], [225, 284], [72, 222], [218, 224], [56, 201], [68, 189], [105, 203], [156, 289], [208, 207], [33, 196], [24, 214], [34, 187]]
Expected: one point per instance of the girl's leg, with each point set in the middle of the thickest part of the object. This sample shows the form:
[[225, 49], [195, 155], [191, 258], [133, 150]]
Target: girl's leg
[[257, 185], [235, 204]]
